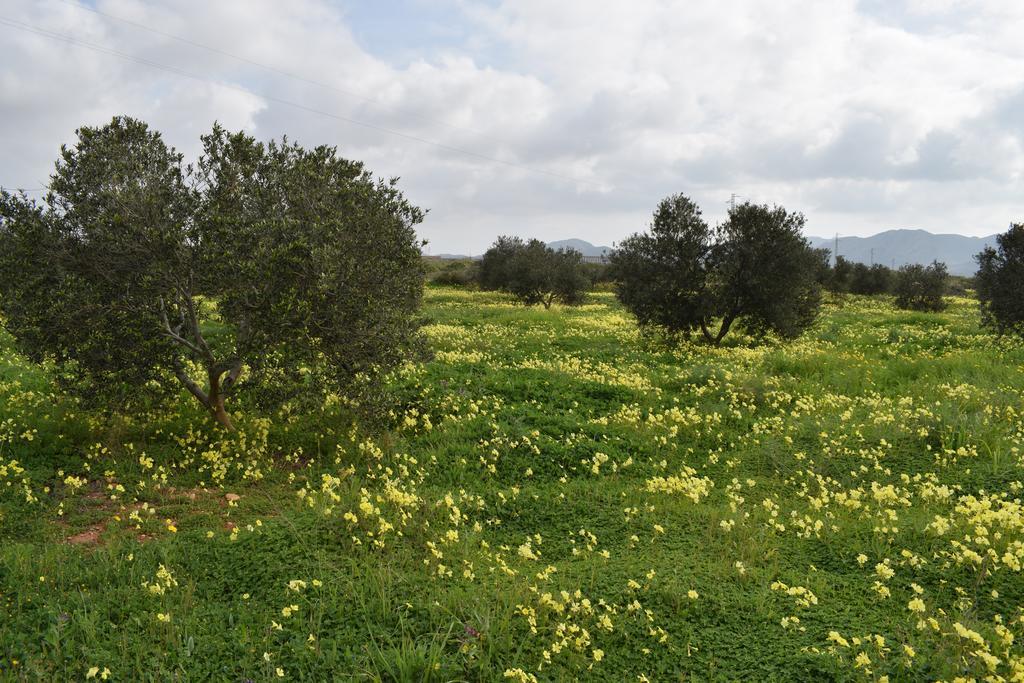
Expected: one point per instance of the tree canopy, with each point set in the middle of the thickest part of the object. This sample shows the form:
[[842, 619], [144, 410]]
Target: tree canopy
[[662, 276], [534, 272], [873, 279], [292, 266], [1000, 282], [920, 288], [756, 268], [846, 276]]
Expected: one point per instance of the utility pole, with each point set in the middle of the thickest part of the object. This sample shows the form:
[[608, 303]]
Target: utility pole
[[835, 251], [872, 256]]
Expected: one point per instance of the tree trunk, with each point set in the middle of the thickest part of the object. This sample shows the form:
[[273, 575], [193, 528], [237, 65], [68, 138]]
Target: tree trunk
[[221, 416], [723, 329], [215, 399], [705, 332], [212, 400]]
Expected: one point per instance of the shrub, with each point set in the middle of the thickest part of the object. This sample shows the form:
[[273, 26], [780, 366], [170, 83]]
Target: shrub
[[1000, 282], [456, 273], [920, 288], [268, 264]]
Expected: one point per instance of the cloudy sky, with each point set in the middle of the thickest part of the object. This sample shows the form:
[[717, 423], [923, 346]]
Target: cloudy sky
[[561, 119]]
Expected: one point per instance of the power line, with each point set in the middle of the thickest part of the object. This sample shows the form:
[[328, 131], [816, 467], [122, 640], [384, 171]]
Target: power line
[[267, 67], [29, 28]]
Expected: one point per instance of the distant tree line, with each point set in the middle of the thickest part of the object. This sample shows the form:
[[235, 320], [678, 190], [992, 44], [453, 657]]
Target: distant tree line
[[463, 272], [755, 269], [453, 272], [915, 287], [531, 271], [846, 276]]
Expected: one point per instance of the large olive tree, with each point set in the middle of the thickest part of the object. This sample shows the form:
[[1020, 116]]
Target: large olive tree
[[269, 258], [662, 275], [1000, 282], [756, 269]]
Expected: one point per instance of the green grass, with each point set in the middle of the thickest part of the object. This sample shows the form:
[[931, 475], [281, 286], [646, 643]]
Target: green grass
[[510, 523]]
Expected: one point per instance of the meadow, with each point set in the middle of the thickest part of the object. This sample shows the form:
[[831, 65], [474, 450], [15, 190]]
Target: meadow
[[557, 497]]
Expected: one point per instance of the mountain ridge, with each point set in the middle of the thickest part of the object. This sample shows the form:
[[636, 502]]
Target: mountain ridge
[[901, 246]]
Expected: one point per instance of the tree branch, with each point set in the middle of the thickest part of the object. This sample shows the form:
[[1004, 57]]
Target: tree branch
[[233, 375], [704, 329], [192, 387], [190, 306], [174, 335]]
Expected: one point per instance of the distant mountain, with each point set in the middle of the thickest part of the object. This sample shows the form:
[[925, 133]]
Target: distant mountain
[[900, 247], [582, 246]]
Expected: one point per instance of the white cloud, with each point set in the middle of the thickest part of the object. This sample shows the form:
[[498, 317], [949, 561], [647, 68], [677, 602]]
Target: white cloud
[[864, 115]]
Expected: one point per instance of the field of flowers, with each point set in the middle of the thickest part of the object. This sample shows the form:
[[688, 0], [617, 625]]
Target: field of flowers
[[559, 498]]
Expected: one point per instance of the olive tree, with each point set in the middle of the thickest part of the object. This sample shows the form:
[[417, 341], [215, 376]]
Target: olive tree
[[269, 258], [495, 265], [662, 275], [764, 273], [756, 269], [534, 272], [1000, 282], [841, 275], [920, 288], [874, 279]]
